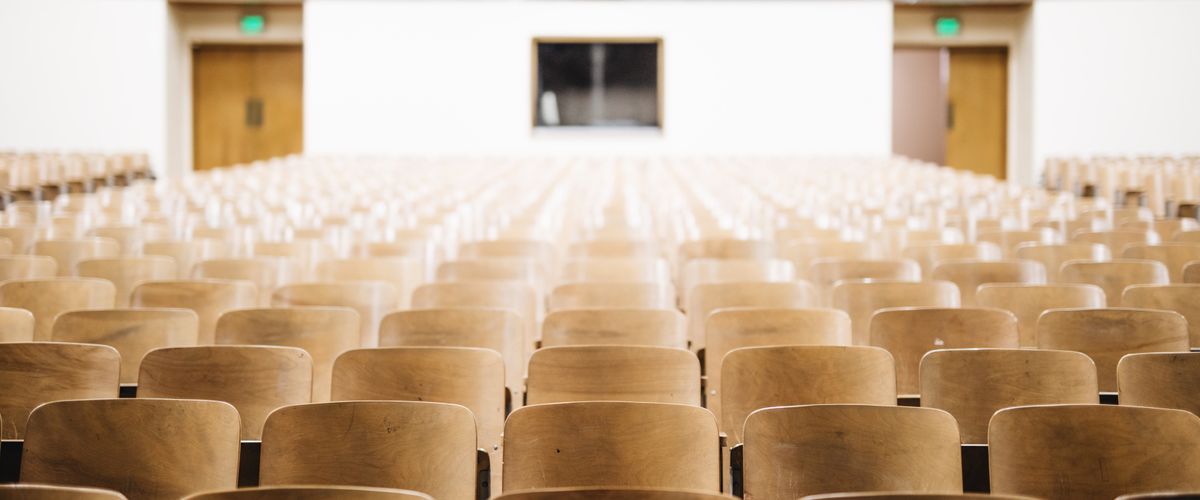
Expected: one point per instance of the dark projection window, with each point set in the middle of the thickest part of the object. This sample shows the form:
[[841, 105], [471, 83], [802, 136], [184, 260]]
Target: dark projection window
[[597, 84]]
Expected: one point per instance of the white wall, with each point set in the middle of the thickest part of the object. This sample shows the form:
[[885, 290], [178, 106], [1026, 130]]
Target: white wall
[[1116, 77], [83, 74], [740, 75]]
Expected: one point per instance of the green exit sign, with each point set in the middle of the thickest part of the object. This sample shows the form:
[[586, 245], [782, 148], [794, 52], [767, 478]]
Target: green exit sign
[[947, 26], [252, 24]]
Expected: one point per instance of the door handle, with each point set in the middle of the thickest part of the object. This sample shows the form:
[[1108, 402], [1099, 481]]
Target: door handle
[[254, 112], [950, 115]]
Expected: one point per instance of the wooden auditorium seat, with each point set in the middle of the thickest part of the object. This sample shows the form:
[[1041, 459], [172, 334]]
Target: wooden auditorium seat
[[420, 446], [311, 493], [862, 298], [1114, 276], [614, 295], [1092, 451], [862, 448], [1160, 380], [1181, 298], [47, 298], [613, 373], [972, 384], [611, 444], [17, 491], [208, 298], [16, 325], [370, 299], [254, 379], [324, 333], [910, 332], [181, 446], [132, 332], [970, 274], [613, 326], [126, 273], [32, 373], [1028, 302], [1106, 335]]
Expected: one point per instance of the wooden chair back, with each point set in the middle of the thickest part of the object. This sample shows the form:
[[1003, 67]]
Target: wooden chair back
[[824, 273], [613, 373], [928, 256], [493, 269], [187, 253], [1008, 240], [47, 492], [16, 325], [726, 248], [862, 448], [910, 332], [39, 372], [1182, 298], [126, 273], [665, 327], [753, 378], [736, 327], [1028, 302], [22, 237], [1173, 255], [323, 332], [500, 330], [132, 332], [611, 443], [1106, 335], [1115, 275], [1054, 256], [68, 252], [708, 298], [611, 494], [517, 297], [267, 273], [371, 299], [972, 384], [1092, 451], [604, 270], [969, 274], [466, 376], [804, 253], [406, 274], [1160, 380], [615, 249], [129, 238], [860, 299], [707, 271], [312, 493], [27, 267], [208, 298], [181, 446], [422, 446], [613, 295], [47, 298], [914, 496], [1117, 240], [254, 379]]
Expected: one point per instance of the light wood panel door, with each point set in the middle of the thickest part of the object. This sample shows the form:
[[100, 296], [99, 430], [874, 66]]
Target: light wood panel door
[[247, 103], [976, 133]]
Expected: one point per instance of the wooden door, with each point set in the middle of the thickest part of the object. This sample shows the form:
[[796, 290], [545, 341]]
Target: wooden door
[[977, 122], [247, 104]]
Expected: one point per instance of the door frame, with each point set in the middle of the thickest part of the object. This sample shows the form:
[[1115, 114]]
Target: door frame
[[191, 25], [1007, 26]]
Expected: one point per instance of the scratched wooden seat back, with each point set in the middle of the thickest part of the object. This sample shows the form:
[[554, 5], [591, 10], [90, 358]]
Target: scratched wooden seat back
[[180, 446], [1106, 335], [466, 376], [47, 492], [323, 332], [1028, 302], [910, 332], [861, 298], [420, 446], [1160, 379], [611, 443], [132, 332], [615, 326], [254, 379], [792, 451], [47, 298], [972, 384], [209, 299], [32, 373], [785, 375], [1093, 451], [312, 493], [613, 373]]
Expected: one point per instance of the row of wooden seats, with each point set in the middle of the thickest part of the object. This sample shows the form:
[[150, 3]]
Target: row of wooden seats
[[1162, 183], [259, 378], [43, 175], [1049, 451]]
